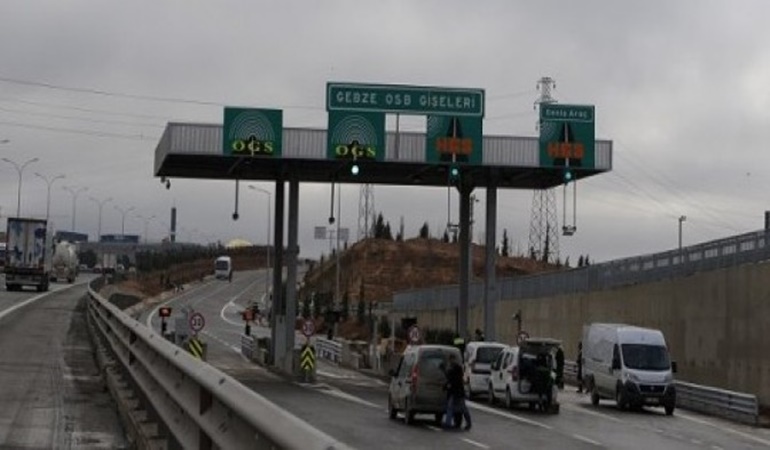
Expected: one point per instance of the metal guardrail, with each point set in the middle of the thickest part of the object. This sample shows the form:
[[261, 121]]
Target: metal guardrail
[[729, 252], [329, 350], [732, 405], [201, 406], [719, 402]]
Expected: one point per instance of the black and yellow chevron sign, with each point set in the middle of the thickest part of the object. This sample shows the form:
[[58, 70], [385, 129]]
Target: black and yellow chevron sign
[[307, 358], [196, 348]]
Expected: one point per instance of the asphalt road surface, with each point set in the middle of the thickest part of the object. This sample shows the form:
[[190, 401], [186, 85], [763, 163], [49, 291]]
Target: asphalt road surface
[[352, 407], [51, 392]]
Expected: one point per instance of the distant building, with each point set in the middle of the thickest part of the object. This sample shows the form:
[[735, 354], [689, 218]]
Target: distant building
[[120, 238], [70, 236]]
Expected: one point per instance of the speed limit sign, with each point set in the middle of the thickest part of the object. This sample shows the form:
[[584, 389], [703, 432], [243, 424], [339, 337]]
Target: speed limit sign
[[414, 334], [197, 322]]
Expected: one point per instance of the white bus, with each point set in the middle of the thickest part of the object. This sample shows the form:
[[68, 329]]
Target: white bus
[[223, 268]]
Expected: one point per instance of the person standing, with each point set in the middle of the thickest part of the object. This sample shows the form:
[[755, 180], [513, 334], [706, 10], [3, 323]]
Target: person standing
[[580, 367], [560, 367], [455, 394]]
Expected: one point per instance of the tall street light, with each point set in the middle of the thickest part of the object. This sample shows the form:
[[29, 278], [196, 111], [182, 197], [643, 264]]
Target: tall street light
[[101, 204], [267, 247], [146, 224], [49, 183], [681, 219], [75, 191], [123, 212], [20, 170]]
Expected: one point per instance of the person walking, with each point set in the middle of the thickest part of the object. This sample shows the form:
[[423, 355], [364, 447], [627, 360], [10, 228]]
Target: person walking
[[455, 395]]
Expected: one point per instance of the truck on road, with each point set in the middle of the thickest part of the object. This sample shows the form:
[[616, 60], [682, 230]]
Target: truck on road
[[64, 262], [27, 255]]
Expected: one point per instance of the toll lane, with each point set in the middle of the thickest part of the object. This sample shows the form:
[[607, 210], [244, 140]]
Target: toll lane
[[51, 392]]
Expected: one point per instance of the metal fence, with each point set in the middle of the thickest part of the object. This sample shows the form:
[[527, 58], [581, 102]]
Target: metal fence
[[719, 254], [199, 405]]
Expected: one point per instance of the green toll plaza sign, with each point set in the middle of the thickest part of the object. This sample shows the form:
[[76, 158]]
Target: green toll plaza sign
[[252, 132], [357, 120], [567, 136], [402, 99]]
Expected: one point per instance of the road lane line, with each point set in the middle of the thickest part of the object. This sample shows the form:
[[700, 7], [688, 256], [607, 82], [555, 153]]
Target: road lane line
[[30, 300], [178, 297], [431, 427], [474, 443], [587, 440], [590, 412], [508, 415], [349, 397], [723, 428]]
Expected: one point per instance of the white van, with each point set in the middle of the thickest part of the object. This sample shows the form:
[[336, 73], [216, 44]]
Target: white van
[[628, 364], [526, 375], [223, 268], [478, 358]]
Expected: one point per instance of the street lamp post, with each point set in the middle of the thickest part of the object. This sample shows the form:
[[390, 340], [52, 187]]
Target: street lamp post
[[49, 183], [20, 170], [681, 219], [101, 204], [267, 247], [146, 224], [123, 212], [75, 193]]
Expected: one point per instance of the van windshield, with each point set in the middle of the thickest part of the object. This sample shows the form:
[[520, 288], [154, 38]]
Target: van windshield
[[645, 357], [433, 363], [487, 354], [222, 265]]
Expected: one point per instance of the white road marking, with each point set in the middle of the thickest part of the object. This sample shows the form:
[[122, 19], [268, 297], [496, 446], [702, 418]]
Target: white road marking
[[716, 447], [696, 442], [155, 310], [231, 304], [474, 443], [349, 397], [590, 412], [508, 415], [431, 427], [724, 428], [30, 300], [587, 440]]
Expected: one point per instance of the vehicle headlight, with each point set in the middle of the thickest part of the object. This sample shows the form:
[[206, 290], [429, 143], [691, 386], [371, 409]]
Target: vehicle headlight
[[628, 376]]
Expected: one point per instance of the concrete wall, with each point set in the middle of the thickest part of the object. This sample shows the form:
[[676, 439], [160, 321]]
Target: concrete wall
[[717, 323]]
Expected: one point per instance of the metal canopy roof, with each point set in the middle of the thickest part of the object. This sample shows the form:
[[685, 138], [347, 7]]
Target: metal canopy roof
[[188, 150]]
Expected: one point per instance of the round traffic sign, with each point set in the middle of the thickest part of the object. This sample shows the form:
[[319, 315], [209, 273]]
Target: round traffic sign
[[414, 334], [197, 322], [521, 337], [308, 328]]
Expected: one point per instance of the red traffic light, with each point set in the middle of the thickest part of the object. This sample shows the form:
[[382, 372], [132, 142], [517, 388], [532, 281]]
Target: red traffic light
[[248, 315], [164, 311]]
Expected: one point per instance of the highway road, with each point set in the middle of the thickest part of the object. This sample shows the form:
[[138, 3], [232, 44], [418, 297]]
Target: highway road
[[352, 407], [51, 391]]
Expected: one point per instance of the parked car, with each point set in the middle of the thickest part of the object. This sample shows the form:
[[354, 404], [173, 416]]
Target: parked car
[[479, 356], [628, 364], [525, 374], [417, 384]]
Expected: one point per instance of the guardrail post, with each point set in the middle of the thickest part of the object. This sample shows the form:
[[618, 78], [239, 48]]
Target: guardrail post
[[206, 400]]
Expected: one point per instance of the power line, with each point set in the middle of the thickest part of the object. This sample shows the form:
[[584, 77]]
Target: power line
[[84, 119], [88, 110], [84, 132], [130, 96]]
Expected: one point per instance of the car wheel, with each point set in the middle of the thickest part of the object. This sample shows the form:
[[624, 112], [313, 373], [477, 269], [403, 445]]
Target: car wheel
[[437, 418], [620, 398], [392, 413], [508, 398], [594, 396], [669, 410], [491, 395]]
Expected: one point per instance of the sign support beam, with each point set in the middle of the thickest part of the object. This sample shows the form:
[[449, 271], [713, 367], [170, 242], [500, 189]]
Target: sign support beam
[[278, 323], [291, 273], [490, 281]]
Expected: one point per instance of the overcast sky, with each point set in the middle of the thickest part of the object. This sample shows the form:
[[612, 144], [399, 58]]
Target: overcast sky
[[680, 87]]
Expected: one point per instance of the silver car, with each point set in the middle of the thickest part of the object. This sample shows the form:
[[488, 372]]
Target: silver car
[[417, 384]]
